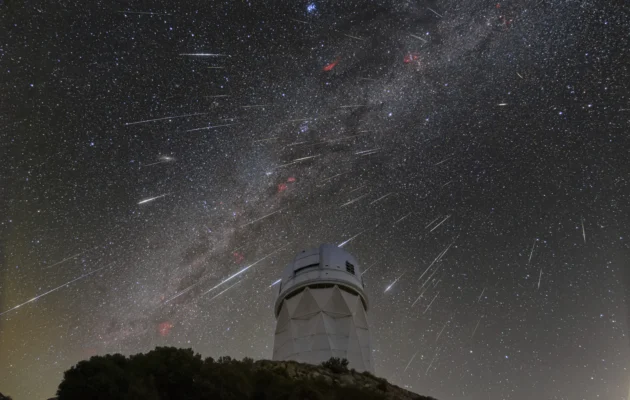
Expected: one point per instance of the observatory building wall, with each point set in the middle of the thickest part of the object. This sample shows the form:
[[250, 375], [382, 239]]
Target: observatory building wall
[[322, 310]]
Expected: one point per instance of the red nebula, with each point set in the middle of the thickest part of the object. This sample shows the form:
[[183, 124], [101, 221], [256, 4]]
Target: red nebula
[[331, 65], [411, 57], [282, 187], [291, 179], [238, 257], [498, 5], [164, 328]]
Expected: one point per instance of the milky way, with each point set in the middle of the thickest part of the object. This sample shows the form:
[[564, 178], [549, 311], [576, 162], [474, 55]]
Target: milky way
[[161, 165]]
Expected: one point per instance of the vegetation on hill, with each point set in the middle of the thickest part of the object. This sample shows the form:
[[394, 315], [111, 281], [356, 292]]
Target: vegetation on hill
[[168, 373]]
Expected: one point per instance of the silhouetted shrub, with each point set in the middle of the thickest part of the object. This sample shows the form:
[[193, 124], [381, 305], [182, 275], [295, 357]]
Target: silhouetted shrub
[[248, 361], [336, 365]]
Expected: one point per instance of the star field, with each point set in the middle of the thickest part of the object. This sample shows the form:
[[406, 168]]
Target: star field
[[163, 162]]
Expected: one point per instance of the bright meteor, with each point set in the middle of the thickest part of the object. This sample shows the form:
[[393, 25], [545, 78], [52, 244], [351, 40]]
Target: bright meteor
[[53, 290]]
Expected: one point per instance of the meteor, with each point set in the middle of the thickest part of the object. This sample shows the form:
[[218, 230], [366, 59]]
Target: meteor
[[418, 37], [202, 54], [150, 199], [348, 241], [208, 127], [66, 259], [263, 217], [353, 201], [532, 252], [444, 220], [393, 283], [226, 280], [53, 290], [429, 306], [163, 118], [229, 278], [435, 12], [142, 13], [224, 290], [380, 198]]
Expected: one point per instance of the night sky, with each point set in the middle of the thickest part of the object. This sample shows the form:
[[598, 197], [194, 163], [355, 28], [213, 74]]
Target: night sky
[[163, 161]]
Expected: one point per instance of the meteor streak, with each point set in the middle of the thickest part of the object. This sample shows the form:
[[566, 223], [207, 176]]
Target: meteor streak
[[475, 330], [418, 37], [431, 223], [438, 258], [429, 367], [163, 159], [353, 201], [479, 299], [443, 161], [263, 217], [444, 220], [419, 297], [440, 334], [142, 12], [298, 160], [429, 306], [224, 290], [229, 278], [348, 241], [410, 361], [209, 127], [53, 290], [401, 219], [393, 283], [152, 198], [353, 37], [368, 268], [66, 259], [429, 267], [532, 252], [367, 152], [431, 276], [334, 176], [163, 118], [435, 12], [380, 198], [202, 54], [359, 188], [265, 140]]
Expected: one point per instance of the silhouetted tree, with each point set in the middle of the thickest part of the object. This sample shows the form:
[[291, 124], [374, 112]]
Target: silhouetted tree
[[103, 377], [167, 373]]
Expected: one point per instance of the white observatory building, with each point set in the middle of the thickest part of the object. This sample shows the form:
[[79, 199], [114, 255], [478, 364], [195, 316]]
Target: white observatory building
[[321, 310]]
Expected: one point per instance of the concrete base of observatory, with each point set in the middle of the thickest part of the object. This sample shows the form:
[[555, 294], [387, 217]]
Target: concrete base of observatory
[[323, 321]]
